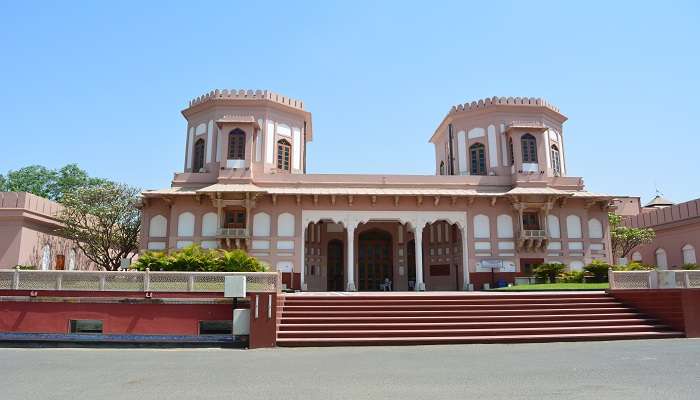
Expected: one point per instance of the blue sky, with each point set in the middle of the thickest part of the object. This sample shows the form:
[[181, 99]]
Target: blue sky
[[103, 85]]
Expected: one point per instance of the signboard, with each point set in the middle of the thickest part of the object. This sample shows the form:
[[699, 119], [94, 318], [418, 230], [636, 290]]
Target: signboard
[[234, 286]]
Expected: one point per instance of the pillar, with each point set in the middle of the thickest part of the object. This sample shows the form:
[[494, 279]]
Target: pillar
[[302, 264], [418, 239], [350, 264], [465, 260]]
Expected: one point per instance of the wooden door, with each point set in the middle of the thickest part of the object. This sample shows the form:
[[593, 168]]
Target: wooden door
[[374, 259]]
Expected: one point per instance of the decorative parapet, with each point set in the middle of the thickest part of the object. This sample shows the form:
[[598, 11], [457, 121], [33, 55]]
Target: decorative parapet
[[247, 95], [498, 101]]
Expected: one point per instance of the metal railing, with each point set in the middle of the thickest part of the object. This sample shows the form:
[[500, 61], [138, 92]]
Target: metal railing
[[654, 279], [134, 281], [532, 234], [236, 233]]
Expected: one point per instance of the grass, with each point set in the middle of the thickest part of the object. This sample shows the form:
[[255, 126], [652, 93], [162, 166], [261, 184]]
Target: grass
[[554, 286]]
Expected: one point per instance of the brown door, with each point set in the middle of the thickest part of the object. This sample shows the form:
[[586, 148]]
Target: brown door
[[374, 259], [335, 269], [235, 218], [529, 264]]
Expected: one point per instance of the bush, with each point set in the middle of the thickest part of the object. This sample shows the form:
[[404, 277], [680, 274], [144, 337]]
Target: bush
[[195, 259], [690, 266], [571, 277], [599, 270], [549, 271], [634, 266]]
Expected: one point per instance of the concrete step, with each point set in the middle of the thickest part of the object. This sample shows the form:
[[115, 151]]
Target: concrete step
[[470, 332], [531, 338], [441, 307], [514, 311], [428, 318], [350, 326], [431, 301]]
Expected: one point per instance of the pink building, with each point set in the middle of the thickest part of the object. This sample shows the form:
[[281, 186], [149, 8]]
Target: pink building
[[499, 203], [28, 235], [677, 230]]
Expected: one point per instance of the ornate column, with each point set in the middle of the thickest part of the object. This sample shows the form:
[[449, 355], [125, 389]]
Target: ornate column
[[302, 264], [418, 239], [465, 260], [350, 264]]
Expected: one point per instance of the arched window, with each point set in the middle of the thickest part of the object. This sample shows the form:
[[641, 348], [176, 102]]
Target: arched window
[[285, 225], [442, 168], [198, 155], [477, 159], [573, 227], [661, 260], [236, 145], [71, 260], [261, 224], [511, 155], [553, 226], [185, 224], [529, 148], [637, 256], [595, 229], [482, 229], [46, 258], [210, 224], [504, 225], [157, 226], [556, 161], [689, 254], [284, 149]]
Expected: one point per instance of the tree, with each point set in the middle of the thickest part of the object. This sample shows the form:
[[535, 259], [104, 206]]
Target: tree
[[623, 239], [104, 221], [34, 179], [49, 183]]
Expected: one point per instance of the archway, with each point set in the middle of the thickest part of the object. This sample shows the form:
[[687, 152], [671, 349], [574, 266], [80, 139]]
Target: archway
[[375, 259], [335, 266]]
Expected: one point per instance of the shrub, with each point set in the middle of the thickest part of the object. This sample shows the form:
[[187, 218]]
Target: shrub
[[599, 270], [549, 271], [571, 277], [690, 266], [26, 267], [634, 266], [195, 259]]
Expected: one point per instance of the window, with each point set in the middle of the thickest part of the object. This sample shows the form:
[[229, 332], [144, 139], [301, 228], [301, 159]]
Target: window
[[511, 156], [46, 258], [236, 145], [556, 161], [689, 254], [85, 326], [283, 151], [224, 327], [529, 148], [198, 155], [442, 168], [477, 159], [661, 261], [531, 221]]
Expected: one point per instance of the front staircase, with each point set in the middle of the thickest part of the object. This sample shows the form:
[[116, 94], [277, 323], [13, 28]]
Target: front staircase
[[336, 319]]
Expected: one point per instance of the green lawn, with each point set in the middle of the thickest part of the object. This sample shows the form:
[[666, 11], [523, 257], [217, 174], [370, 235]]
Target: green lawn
[[555, 286]]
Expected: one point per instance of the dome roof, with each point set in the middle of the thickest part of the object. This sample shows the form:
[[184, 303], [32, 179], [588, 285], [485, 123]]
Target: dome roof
[[659, 201]]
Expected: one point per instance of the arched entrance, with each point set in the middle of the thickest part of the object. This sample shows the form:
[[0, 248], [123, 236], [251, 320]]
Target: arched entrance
[[375, 253], [335, 268]]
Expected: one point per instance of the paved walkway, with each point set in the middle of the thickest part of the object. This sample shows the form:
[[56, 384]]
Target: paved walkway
[[654, 369]]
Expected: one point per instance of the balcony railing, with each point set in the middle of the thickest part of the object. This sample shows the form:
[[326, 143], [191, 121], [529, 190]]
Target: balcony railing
[[655, 279], [134, 281], [532, 234], [234, 233]]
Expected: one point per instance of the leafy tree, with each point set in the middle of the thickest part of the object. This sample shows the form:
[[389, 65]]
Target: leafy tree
[[49, 183], [104, 222], [70, 178], [623, 239], [34, 179]]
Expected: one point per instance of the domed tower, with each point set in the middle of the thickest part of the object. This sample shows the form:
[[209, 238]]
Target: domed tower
[[501, 136], [238, 133]]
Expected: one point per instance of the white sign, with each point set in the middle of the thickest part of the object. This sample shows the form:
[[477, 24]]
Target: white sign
[[234, 286]]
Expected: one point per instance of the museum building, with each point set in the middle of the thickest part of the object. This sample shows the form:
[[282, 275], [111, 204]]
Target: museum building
[[499, 203]]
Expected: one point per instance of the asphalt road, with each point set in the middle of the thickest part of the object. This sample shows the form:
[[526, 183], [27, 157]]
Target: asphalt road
[[653, 369]]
